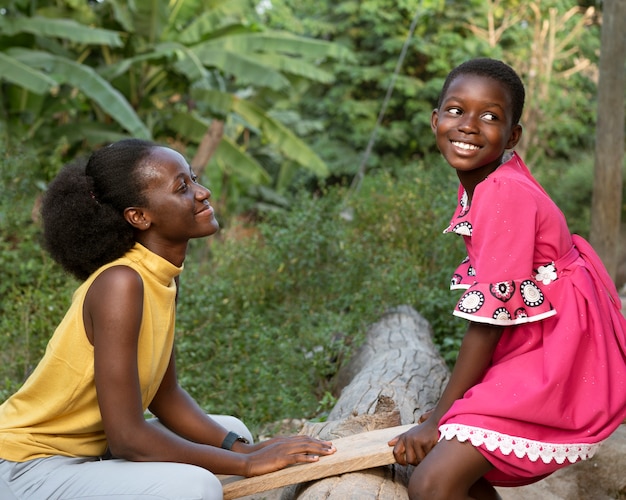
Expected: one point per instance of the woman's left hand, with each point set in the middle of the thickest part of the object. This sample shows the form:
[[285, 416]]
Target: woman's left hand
[[280, 452]]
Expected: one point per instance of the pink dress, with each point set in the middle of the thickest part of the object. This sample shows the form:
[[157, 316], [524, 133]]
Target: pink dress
[[557, 384]]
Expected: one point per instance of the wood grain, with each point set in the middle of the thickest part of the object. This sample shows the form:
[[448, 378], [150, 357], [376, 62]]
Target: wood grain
[[354, 453]]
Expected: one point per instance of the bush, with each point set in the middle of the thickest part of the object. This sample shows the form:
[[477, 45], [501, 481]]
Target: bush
[[268, 319], [34, 291]]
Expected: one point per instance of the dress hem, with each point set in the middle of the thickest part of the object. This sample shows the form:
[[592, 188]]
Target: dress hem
[[504, 322], [521, 447]]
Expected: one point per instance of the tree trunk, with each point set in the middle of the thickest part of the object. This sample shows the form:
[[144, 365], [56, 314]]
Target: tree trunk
[[607, 187], [206, 148], [393, 379]]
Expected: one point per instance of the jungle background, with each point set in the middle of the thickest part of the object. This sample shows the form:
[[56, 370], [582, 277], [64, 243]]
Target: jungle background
[[310, 122]]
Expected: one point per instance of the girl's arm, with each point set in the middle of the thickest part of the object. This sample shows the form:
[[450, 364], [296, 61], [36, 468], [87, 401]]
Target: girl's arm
[[477, 348], [113, 314], [474, 358]]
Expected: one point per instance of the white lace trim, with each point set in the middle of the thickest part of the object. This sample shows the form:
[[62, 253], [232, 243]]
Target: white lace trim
[[522, 447]]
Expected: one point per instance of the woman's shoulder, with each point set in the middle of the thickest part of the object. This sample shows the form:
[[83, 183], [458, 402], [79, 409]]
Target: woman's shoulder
[[118, 281], [119, 275]]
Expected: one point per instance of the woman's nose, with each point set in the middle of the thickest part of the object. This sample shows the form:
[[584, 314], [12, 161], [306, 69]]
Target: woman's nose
[[203, 193]]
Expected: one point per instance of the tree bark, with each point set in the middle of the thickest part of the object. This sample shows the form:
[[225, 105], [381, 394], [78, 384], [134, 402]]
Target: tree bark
[[393, 379], [206, 148], [606, 203]]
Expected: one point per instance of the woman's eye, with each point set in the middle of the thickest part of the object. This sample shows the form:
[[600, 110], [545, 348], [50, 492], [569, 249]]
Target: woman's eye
[[183, 187]]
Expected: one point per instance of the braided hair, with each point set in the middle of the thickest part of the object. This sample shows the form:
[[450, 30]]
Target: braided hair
[[496, 70], [83, 208]]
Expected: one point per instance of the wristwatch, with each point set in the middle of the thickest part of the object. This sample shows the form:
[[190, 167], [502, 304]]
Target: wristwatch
[[230, 439]]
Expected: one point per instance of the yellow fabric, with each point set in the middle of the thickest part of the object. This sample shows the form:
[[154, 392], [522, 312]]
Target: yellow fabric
[[56, 411]]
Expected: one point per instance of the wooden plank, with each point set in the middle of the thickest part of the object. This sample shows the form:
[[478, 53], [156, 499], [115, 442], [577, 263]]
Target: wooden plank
[[356, 452]]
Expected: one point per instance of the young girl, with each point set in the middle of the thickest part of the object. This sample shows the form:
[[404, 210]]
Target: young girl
[[540, 380], [76, 428]]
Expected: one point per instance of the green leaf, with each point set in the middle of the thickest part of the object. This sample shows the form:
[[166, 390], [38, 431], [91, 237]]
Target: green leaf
[[122, 14], [293, 66], [244, 68], [60, 28], [280, 137], [233, 159], [84, 78], [191, 126], [218, 103], [281, 42], [91, 133], [14, 71], [164, 50], [230, 13]]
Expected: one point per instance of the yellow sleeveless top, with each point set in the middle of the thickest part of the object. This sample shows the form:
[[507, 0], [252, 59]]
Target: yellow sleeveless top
[[56, 411]]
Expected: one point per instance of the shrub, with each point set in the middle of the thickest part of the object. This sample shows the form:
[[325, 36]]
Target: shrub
[[34, 291]]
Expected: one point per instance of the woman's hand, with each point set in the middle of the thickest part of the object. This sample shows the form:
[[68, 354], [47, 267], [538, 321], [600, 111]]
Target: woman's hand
[[278, 453], [411, 447]]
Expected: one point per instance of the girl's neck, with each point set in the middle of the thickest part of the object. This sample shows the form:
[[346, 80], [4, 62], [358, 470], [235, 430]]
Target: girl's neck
[[470, 179]]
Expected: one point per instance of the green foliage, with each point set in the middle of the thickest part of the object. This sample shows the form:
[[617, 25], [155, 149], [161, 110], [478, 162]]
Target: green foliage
[[570, 185], [284, 307], [34, 292], [553, 47], [83, 75]]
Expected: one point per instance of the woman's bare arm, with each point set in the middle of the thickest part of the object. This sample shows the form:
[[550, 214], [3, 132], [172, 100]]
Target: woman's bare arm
[[113, 314]]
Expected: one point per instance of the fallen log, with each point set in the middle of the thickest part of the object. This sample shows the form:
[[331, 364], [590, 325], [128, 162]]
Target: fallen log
[[394, 378]]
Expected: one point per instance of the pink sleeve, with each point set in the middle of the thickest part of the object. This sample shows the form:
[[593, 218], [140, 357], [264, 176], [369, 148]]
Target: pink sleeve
[[499, 276], [503, 217]]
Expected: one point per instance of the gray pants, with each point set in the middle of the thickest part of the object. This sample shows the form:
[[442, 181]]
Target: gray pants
[[64, 478]]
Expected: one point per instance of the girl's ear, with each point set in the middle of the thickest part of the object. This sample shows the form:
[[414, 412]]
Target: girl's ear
[[434, 120], [516, 134], [137, 218]]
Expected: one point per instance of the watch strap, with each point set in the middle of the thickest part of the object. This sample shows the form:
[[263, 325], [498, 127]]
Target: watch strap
[[230, 439]]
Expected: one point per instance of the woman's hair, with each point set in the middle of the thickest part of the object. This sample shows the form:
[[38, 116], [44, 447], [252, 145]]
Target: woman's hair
[[83, 208], [496, 70]]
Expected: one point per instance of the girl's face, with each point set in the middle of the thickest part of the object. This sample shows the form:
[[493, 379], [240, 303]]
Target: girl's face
[[473, 125], [178, 207]]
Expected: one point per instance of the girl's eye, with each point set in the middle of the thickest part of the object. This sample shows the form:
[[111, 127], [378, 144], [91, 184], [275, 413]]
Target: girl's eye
[[455, 111], [183, 187], [490, 117], [194, 178]]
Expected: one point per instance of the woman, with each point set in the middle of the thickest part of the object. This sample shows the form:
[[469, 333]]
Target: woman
[[76, 428]]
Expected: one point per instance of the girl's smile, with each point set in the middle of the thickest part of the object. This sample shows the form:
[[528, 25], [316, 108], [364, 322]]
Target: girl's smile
[[473, 127]]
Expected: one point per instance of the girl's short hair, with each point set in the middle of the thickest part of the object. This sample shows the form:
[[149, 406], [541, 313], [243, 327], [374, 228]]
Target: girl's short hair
[[83, 208], [497, 70]]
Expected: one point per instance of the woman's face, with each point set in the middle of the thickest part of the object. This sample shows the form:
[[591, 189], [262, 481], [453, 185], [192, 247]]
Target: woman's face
[[473, 126], [178, 208]]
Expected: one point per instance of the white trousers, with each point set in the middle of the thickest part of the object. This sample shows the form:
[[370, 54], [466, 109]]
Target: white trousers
[[64, 478]]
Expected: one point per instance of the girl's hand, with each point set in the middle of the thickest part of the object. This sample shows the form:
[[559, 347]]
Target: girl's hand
[[278, 453], [411, 447]]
